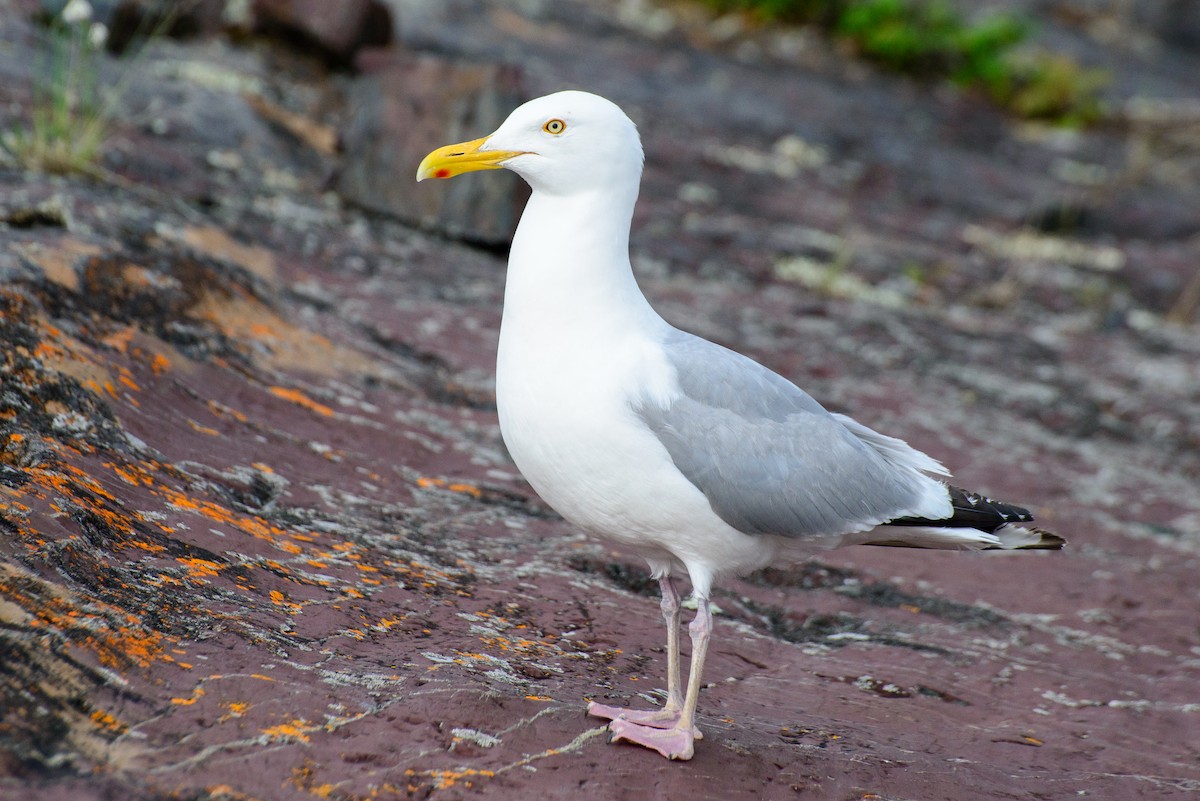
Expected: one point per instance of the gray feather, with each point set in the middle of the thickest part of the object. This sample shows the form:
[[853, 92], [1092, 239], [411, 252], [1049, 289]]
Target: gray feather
[[769, 458]]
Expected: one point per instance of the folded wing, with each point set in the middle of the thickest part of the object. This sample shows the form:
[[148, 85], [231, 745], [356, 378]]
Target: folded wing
[[771, 460]]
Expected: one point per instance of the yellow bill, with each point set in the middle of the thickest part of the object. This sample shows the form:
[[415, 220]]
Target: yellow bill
[[452, 160]]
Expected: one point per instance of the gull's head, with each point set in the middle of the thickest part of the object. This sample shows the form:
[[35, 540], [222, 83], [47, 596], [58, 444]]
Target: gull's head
[[562, 144]]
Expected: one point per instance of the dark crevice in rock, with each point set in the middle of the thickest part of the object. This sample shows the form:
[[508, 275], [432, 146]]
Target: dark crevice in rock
[[886, 595], [834, 630], [631, 579]]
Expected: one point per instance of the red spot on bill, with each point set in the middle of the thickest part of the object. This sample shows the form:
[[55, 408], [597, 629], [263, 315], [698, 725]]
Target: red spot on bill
[[442, 173]]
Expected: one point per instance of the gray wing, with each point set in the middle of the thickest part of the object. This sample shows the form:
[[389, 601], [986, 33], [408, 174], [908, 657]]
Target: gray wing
[[770, 459]]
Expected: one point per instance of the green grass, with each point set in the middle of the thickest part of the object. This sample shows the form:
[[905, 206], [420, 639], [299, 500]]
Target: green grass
[[71, 117], [930, 39], [67, 122]]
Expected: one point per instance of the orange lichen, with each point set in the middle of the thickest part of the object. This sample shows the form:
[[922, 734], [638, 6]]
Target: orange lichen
[[444, 779], [69, 483], [47, 350], [200, 568], [298, 729], [279, 599], [59, 481], [236, 709], [142, 646], [107, 722], [132, 474], [213, 241], [249, 524], [58, 261], [196, 695], [441, 483], [224, 792], [119, 340], [117, 639], [220, 409], [300, 399], [212, 432]]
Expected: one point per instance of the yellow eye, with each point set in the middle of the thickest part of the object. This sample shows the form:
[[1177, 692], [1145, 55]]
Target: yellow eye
[[554, 127]]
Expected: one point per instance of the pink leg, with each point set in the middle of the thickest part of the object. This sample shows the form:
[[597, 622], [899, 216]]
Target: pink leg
[[668, 716], [676, 742]]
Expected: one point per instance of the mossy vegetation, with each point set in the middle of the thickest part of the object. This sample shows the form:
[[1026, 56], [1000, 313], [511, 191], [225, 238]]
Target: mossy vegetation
[[73, 113], [70, 118], [931, 39]]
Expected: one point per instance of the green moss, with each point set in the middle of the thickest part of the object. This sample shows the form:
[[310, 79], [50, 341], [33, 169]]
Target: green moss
[[68, 122], [1052, 87], [72, 116], [930, 39], [783, 10]]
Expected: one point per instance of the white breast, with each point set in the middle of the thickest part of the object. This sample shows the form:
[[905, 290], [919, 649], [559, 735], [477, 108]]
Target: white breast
[[571, 428], [579, 351], [568, 421]]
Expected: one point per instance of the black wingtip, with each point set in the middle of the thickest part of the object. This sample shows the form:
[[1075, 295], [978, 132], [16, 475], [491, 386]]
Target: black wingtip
[[1027, 538], [972, 510], [1049, 541]]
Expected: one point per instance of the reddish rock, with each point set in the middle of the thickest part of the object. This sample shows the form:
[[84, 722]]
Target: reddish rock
[[406, 106], [338, 28]]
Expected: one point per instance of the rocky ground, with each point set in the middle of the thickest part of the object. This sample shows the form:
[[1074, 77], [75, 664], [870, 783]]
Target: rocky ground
[[260, 537]]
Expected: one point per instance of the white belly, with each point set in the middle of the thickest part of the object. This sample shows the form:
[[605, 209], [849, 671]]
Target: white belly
[[567, 416]]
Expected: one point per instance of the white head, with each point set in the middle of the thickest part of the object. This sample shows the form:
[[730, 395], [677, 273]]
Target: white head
[[561, 144]]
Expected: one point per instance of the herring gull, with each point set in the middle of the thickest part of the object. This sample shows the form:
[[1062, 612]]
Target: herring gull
[[697, 458]]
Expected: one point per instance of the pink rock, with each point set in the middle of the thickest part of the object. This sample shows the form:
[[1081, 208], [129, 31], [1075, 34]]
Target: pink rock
[[338, 27]]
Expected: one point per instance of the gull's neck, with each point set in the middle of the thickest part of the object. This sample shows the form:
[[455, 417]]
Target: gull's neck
[[569, 269]]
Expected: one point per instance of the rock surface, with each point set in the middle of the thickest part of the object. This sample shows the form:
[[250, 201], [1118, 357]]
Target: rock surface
[[402, 105], [259, 538], [336, 29]]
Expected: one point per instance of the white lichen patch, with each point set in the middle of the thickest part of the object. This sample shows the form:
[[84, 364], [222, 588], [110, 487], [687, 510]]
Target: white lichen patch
[[479, 738], [698, 193], [211, 76], [1108, 646], [491, 666], [1026, 245], [645, 18], [1081, 173], [833, 280], [787, 158], [1136, 704], [71, 422]]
